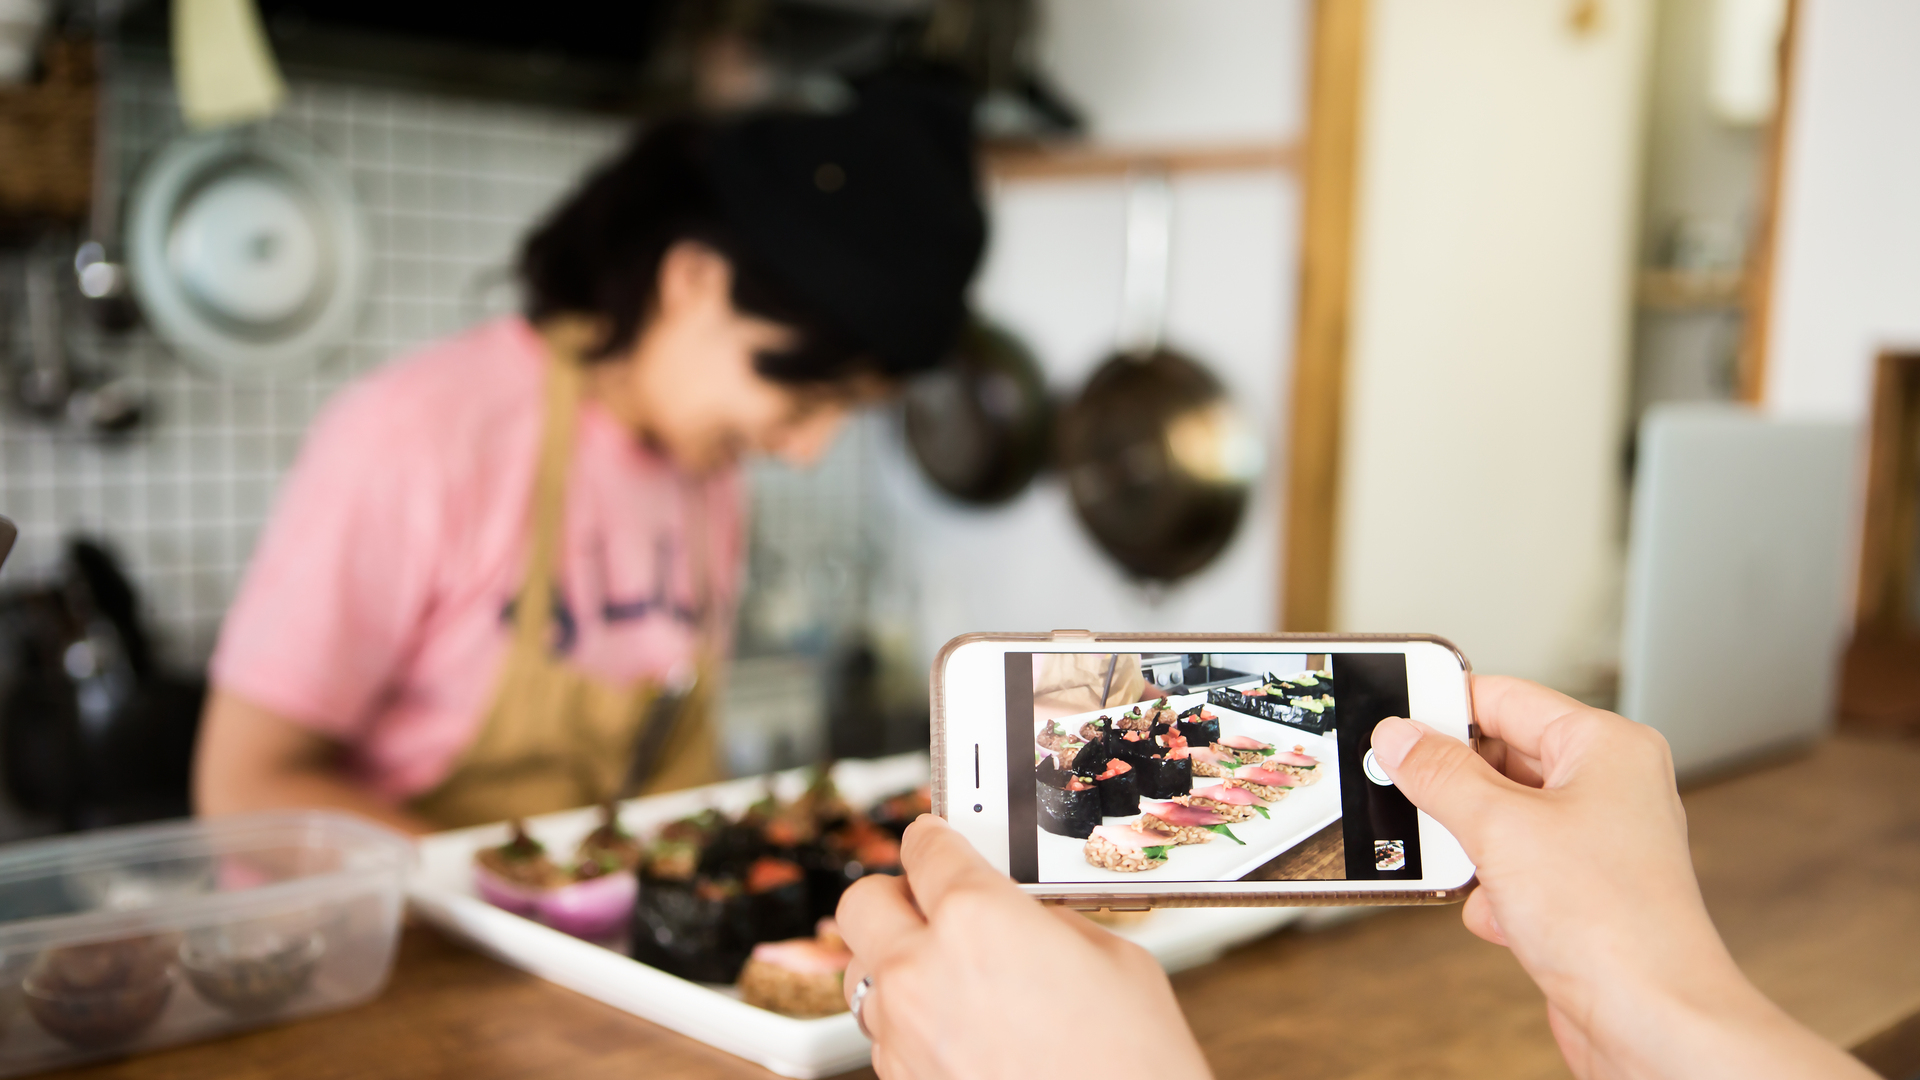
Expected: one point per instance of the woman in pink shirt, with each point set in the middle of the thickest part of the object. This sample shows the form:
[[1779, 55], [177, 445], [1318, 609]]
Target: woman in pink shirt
[[500, 572]]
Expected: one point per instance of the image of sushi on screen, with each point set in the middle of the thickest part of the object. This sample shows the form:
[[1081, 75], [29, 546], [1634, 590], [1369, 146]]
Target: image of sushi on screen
[[1174, 781]]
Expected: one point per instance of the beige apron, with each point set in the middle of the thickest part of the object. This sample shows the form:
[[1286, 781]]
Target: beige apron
[[554, 736]]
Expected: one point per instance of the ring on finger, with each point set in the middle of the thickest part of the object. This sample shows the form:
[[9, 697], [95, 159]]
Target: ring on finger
[[858, 1002]]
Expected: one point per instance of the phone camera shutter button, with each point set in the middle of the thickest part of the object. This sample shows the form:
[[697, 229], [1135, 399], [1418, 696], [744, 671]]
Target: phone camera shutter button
[[1371, 765], [977, 808]]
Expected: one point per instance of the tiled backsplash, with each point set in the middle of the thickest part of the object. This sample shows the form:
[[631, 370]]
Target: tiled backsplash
[[447, 187]]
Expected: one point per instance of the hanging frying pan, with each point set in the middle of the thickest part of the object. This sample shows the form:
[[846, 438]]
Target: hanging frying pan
[[981, 423], [1158, 461]]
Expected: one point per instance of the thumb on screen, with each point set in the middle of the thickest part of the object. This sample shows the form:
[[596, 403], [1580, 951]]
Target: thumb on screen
[[1442, 776]]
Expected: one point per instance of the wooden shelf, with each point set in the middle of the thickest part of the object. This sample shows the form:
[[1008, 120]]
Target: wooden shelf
[[1066, 161], [1692, 290]]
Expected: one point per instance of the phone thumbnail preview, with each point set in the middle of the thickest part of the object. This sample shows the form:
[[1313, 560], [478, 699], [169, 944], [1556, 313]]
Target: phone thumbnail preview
[[1204, 767]]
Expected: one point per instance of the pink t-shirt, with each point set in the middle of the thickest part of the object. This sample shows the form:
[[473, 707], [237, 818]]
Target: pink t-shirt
[[375, 610]]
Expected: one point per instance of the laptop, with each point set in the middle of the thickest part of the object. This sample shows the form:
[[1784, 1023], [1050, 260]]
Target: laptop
[[1738, 564]]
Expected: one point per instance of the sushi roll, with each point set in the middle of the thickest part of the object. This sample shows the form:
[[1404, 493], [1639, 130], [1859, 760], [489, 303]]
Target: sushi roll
[[515, 875], [1296, 761], [896, 812], [1267, 784], [1131, 746], [1183, 824], [1232, 803], [1161, 712], [1164, 777], [844, 856], [1244, 748], [1069, 805], [1208, 761], [1057, 741], [1095, 729], [610, 846], [701, 930], [777, 900], [1125, 849], [802, 977], [1119, 788], [1132, 720], [1199, 726], [1092, 759]]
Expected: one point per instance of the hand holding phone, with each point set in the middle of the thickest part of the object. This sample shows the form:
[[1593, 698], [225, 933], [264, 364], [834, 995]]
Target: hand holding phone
[[1128, 770], [968, 975], [1581, 843]]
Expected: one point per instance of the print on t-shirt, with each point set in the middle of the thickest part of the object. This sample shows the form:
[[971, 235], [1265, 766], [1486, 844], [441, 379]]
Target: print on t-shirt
[[613, 610]]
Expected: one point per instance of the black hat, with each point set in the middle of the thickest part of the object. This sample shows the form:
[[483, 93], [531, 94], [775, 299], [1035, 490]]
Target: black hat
[[870, 216]]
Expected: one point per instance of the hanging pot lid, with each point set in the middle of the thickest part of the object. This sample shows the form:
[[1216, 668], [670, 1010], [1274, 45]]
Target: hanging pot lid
[[980, 425], [1157, 459], [248, 251]]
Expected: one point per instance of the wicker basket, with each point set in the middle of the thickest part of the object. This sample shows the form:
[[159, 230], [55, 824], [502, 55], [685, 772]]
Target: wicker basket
[[46, 137]]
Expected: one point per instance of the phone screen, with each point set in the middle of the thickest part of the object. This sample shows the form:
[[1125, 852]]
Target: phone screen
[[1204, 767]]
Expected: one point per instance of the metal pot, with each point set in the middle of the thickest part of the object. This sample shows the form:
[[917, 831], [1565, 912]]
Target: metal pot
[[1157, 459], [979, 425], [1158, 462]]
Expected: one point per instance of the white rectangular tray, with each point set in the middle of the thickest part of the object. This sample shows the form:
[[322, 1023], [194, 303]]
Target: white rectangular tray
[[1302, 813], [442, 891]]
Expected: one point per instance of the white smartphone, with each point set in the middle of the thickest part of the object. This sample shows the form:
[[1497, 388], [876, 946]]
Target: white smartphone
[[1128, 771]]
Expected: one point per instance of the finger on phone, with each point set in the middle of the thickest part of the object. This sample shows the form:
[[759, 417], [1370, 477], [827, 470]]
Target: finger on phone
[[1442, 776], [1518, 712], [875, 915], [940, 861]]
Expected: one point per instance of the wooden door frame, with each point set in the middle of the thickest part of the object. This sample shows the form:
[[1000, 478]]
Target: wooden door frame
[[1756, 337], [1330, 178]]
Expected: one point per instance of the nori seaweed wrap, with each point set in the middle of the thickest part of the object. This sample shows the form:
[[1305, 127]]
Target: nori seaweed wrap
[[1119, 789], [701, 930], [1091, 761], [1131, 751], [1065, 811], [777, 901], [1163, 778], [1197, 731]]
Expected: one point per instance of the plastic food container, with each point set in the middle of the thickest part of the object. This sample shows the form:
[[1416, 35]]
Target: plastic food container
[[126, 940]]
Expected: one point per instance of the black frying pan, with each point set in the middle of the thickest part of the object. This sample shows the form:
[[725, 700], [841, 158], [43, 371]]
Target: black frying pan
[[980, 424], [1157, 462]]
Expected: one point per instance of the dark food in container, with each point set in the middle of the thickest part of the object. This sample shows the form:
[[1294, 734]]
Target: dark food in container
[[102, 994], [251, 977], [1131, 746]]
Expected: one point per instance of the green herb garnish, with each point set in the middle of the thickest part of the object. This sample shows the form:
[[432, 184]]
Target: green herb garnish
[[1262, 811], [1228, 833], [1157, 852]]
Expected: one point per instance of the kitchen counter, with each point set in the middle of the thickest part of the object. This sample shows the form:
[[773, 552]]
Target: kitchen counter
[[1810, 866]]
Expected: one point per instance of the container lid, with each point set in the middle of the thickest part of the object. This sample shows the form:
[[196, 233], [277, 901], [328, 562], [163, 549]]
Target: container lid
[[186, 874]]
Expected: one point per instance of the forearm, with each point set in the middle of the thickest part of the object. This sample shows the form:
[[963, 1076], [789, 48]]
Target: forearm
[[1715, 1027], [250, 758], [303, 789]]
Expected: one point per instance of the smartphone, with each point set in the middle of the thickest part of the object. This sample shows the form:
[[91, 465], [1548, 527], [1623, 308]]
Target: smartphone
[[1128, 771]]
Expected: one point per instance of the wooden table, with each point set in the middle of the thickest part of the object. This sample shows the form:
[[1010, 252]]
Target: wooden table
[[1811, 868]]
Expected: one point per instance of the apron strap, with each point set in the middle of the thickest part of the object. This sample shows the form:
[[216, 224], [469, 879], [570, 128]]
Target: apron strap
[[533, 613]]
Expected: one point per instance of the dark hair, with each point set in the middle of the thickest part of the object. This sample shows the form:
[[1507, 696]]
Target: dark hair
[[599, 254]]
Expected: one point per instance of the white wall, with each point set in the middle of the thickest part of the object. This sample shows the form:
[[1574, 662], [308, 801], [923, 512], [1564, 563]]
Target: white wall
[[1499, 174], [1179, 71], [1847, 265]]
